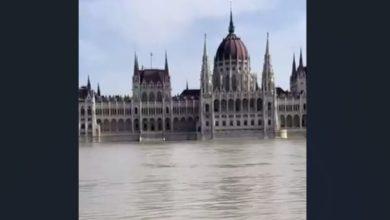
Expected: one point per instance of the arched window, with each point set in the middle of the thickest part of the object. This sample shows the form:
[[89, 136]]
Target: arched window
[[145, 124], [223, 105], [106, 125], [159, 124], [259, 122], [121, 125], [252, 104], [176, 124], [136, 125], [82, 111], [234, 82], [89, 111], [289, 121], [159, 97], [296, 121], [269, 106], [144, 97], [216, 105], [191, 124], [231, 105], [128, 125], [227, 83], [167, 110], [113, 125], [151, 97], [135, 110], [282, 121], [245, 104], [259, 105], [238, 105], [269, 122], [207, 108], [304, 121], [167, 124], [152, 124], [183, 124], [304, 106]]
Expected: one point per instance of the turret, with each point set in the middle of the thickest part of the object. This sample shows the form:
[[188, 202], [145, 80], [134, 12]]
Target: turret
[[166, 62], [269, 95], [231, 25], [98, 90], [136, 68], [89, 84], [268, 85], [294, 68], [205, 76], [300, 59]]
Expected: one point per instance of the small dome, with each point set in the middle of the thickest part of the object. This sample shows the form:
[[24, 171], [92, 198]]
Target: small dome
[[232, 47]]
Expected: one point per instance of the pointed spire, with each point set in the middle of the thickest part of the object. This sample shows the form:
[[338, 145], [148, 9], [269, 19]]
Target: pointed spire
[[89, 84], [267, 46], [267, 77], [166, 61], [186, 84], [135, 63], [98, 90], [231, 25], [300, 59], [294, 68], [204, 46]]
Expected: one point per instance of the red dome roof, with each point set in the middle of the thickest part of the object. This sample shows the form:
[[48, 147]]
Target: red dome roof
[[232, 47]]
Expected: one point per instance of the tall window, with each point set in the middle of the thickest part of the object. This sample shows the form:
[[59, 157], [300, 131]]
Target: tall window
[[259, 105], [159, 97], [207, 108], [216, 105], [144, 97]]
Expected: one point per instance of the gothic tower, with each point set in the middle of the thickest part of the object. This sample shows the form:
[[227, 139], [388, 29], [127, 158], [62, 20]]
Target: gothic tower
[[269, 95], [298, 78], [206, 99]]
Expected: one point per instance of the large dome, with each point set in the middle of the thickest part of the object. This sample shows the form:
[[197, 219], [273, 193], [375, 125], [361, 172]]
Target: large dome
[[232, 47]]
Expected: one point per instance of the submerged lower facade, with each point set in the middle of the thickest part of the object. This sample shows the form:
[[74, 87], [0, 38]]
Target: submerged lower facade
[[230, 102]]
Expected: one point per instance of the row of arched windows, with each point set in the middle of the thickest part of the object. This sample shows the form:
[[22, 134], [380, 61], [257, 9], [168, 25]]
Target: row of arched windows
[[290, 108], [292, 121], [89, 111], [115, 125], [107, 111], [238, 105], [180, 125], [185, 110], [152, 111], [238, 123]]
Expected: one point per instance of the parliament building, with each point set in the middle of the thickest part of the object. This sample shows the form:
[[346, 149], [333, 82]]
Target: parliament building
[[231, 102]]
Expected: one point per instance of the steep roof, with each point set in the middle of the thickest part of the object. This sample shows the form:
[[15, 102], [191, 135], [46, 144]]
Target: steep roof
[[190, 93], [152, 75]]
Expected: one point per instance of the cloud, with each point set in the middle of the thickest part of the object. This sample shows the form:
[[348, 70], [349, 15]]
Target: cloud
[[112, 30], [159, 21]]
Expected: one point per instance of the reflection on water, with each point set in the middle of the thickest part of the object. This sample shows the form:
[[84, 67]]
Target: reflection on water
[[260, 179]]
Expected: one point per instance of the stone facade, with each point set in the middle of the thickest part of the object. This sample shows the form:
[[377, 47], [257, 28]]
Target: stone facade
[[229, 103]]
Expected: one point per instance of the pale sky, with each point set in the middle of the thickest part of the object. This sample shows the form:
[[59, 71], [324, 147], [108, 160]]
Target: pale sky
[[111, 31]]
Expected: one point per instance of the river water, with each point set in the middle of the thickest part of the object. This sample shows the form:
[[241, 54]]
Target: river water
[[233, 179]]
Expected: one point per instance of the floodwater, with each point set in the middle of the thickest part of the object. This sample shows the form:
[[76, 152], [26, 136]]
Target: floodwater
[[232, 179]]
